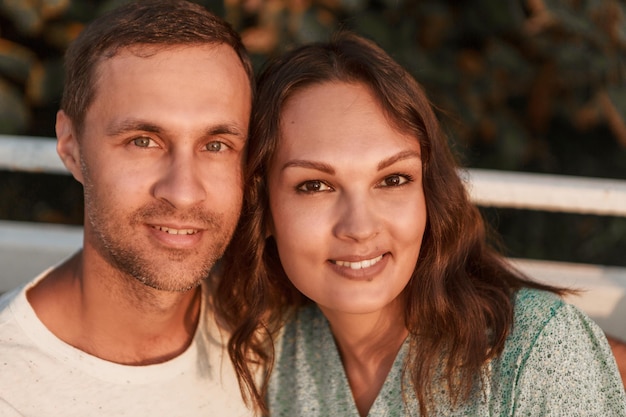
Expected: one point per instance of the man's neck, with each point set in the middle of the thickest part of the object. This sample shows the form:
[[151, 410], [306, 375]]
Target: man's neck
[[114, 317]]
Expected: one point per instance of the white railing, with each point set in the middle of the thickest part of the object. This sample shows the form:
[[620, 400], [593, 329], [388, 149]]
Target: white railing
[[545, 192], [27, 248]]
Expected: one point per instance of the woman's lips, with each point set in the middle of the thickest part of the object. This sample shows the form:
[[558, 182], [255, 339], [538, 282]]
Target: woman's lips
[[366, 263]]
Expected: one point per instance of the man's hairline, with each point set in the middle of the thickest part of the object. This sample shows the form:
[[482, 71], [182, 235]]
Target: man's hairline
[[156, 48]]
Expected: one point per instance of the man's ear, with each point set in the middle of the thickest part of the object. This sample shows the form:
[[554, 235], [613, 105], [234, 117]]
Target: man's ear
[[67, 145]]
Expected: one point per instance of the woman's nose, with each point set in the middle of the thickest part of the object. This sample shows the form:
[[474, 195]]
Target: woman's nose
[[357, 219]]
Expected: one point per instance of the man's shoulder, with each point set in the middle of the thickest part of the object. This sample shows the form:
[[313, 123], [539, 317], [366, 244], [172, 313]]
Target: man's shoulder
[[19, 325], [16, 298], [7, 299]]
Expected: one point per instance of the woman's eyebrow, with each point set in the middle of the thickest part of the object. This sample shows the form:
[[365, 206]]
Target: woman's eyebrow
[[323, 167], [302, 163], [398, 157]]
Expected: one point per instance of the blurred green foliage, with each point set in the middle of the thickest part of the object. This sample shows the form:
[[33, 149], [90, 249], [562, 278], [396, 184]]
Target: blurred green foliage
[[508, 75], [33, 37], [530, 85]]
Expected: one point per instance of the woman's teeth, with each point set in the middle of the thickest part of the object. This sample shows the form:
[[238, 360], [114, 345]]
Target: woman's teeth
[[360, 265]]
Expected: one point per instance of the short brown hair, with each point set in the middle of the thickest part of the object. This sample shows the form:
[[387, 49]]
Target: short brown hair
[[154, 22]]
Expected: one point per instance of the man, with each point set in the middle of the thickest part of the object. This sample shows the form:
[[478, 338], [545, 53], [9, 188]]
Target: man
[[153, 123]]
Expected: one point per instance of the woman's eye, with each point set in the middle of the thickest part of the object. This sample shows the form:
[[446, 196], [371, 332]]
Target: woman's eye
[[394, 180], [215, 146], [313, 187], [143, 142]]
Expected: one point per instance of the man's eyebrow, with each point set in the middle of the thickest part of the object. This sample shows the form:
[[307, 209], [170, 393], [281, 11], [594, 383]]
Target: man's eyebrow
[[302, 163], [225, 129], [134, 125], [398, 157]]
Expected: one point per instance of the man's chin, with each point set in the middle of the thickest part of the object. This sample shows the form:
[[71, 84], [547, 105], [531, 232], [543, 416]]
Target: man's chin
[[171, 280], [180, 287]]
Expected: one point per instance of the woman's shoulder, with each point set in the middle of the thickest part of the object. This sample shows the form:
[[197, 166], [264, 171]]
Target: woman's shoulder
[[542, 322], [537, 312], [556, 357], [533, 307], [308, 318], [305, 325], [308, 313]]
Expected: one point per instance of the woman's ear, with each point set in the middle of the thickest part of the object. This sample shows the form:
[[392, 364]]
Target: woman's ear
[[68, 147]]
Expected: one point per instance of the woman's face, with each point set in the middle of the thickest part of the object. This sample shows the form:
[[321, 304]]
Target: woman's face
[[346, 199]]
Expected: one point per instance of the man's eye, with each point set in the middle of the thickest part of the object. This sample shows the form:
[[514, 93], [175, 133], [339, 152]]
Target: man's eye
[[143, 142], [313, 187], [394, 180], [215, 146]]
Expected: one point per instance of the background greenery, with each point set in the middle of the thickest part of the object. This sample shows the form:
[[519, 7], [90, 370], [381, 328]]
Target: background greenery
[[522, 85]]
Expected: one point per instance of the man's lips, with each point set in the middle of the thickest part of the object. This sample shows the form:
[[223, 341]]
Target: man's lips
[[366, 263], [173, 231], [183, 236]]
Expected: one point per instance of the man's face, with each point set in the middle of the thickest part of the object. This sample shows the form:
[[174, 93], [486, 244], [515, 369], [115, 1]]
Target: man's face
[[161, 162]]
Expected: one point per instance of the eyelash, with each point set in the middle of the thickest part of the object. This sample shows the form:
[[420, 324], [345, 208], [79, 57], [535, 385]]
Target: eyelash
[[408, 179], [223, 146], [300, 188], [152, 144]]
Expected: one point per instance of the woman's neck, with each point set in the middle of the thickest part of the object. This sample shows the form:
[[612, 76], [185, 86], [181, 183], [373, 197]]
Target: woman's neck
[[368, 345]]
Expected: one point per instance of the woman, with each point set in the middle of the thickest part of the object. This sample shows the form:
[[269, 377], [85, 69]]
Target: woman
[[359, 245]]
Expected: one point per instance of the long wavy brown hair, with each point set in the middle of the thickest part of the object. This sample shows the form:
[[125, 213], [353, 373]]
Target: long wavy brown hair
[[459, 298]]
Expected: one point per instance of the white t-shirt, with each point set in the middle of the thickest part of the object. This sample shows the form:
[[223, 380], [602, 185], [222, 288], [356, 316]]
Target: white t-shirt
[[40, 375]]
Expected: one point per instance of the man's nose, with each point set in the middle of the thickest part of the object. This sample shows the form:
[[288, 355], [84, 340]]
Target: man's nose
[[181, 184]]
